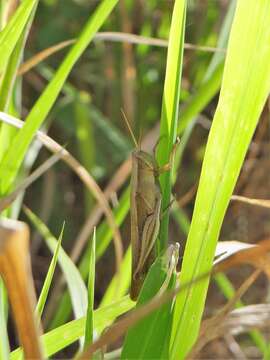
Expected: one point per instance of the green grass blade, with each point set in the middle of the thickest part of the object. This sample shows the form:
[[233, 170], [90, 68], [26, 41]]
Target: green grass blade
[[221, 280], [45, 102], [245, 87], [10, 35], [89, 324], [149, 339], [6, 88], [8, 85], [65, 335], [49, 276], [170, 104], [10, 73], [73, 278], [9, 76]]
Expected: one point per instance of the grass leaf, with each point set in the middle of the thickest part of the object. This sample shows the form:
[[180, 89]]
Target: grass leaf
[[11, 33], [170, 105], [48, 280], [245, 87], [65, 335], [89, 326]]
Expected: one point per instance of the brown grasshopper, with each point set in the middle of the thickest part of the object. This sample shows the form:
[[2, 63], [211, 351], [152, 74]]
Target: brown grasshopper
[[145, 212], [145, 209]]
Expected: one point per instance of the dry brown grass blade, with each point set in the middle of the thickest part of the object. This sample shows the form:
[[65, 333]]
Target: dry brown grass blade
[[225, 249], [7, 200], [107, 36], [250, 201], [16, 272], [234, 347], [257, 256], [248, 317], [85, 177], [211, 328], [139, 39], [236, 322], [188, 196], [119, 328], [42, 55]]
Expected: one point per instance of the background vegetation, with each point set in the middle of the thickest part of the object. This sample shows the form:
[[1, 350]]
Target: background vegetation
[[192, 66]]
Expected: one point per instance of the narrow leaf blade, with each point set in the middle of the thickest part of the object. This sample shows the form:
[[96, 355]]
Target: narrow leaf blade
[[75, 283], [65, 335], [49, 276], [13, 30], [170, 106], [245, 87], [89, 326]]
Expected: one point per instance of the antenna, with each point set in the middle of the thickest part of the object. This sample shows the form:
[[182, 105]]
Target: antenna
[[129, 128]]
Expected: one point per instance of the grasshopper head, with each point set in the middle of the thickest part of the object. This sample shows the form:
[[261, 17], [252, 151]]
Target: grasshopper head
[[145, 160]]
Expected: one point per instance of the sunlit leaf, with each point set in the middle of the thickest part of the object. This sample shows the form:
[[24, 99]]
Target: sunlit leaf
[[245, 87], [49, 276]]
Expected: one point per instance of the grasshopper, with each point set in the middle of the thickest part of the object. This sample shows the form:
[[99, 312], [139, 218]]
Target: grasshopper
[[145, 209], [145, 212]]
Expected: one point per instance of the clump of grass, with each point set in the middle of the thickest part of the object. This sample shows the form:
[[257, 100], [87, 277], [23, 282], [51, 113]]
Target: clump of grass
[[166, 329]]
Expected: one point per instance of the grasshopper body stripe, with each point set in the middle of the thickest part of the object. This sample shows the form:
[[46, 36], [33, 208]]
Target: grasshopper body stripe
[[149, 236]]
